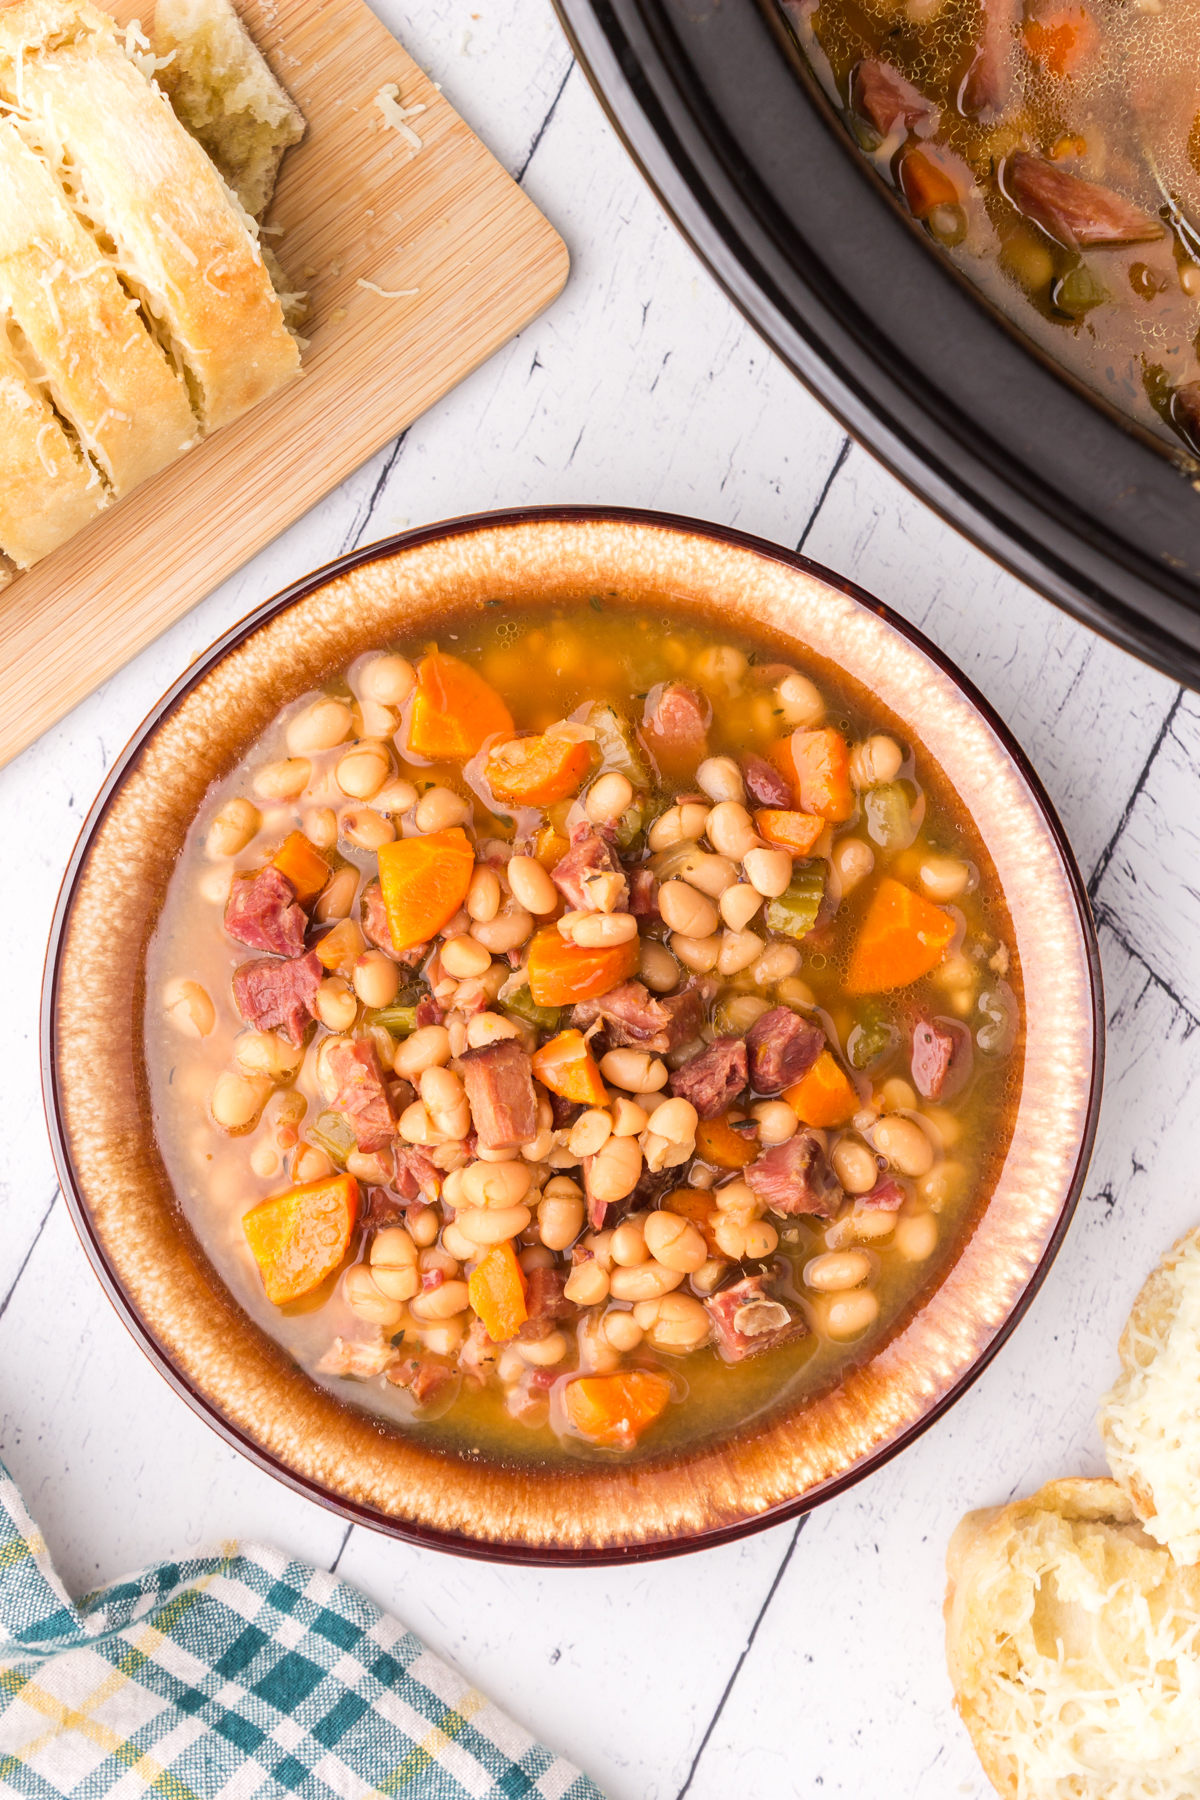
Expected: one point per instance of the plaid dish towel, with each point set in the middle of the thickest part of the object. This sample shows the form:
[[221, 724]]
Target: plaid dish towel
[[237, 1673]]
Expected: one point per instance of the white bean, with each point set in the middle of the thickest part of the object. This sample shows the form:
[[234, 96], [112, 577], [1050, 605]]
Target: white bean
[[595, 931], [657, 967], [675, 1242], [365, 827], [232, 828], [422, 1049], [500, 1185], [492, 1224], [731, 831], [739, 904], [282, 780], [189, 1008], [905, 1145], [532, 888], [335, 1005], [837, 1269], [440, 808], [738, 950], [483, 895], [851, 1313], [875, 762], [443, 1302], [395, 797], [387, 679], [463, 957], [237, 1100], [853, 861], [697, 954], [711, 874], [376, 978], [799, 701], [943, 877], [916, 1237], [362, 772], [676, 1119], [687, 910], [590, 1130], [560, 1220], [320, 726], [769, 871], [647, 1282], [367, 1299], [634, 1070], [608, 798], [509, 929], [337, 896], [720, 778], [616, 1170], [854, 1165], [776, 1121]]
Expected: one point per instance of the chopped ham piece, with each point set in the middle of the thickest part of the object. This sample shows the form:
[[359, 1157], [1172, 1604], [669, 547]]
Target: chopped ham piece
[[633, 1015], [590, 854], [499, 1083], [362, 1092], [781, 1047], [675, 727], [564, 1112], [378, 931], [714, 1079], [887, 100], [746, 1320], [478, 1355], [643, 894], [886, 1196], [1073, 211], [273, 995], [546, 1304], [986, 90], [764, 784], [383, 1208], [794, 1177], [941, 1058], [262, 912], [428, 1011], [424, 1378]]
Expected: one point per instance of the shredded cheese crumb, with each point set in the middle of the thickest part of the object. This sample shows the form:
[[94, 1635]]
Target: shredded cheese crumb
[[397, 116], [388, 293]]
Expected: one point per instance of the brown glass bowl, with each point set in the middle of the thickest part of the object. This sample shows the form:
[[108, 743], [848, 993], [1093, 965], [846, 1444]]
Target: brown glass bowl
[[175, 1303]]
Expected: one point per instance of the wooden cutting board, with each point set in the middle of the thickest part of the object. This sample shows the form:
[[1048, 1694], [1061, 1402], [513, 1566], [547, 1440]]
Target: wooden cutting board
[[356, 205]]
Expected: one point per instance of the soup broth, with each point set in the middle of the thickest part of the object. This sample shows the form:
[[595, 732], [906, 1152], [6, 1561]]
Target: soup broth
[[461, 928]]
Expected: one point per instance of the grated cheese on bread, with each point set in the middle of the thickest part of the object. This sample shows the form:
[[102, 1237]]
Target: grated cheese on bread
[[1150, 1421], [1073, 1644], [222, 90]]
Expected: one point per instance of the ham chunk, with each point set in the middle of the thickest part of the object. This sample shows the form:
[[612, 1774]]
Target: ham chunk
[[1073, 211], [499, 1083], [887, 100], [714, 1079], [590, 854], [272, 995], [416, 1174], [764, 784], [941, 1058], [362, 1092], [633, 1015], [262, 912], [675, 727], [425, 1379], [746, 1320], [794, 1177], [781, 1048], [643, 894], [546, 1304]]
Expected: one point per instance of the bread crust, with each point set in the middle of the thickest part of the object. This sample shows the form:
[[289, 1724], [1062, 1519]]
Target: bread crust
[[1173, 1413], [1066, 1573], [47, 491], [105, 372], [181, 240]]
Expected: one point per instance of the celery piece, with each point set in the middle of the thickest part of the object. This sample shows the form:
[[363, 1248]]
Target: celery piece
[[398, 1020], [630, 827], [889, 816], [523, 1005], [795, 911], [333, 1133], [617, 746], [871, 1039]]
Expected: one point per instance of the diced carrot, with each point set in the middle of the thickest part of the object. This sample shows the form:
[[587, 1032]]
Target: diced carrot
[[561, 973], [341, 945], [496, 1286], [614, 1409], [902, 938], [717, 1142], [550, 846], [780, 754], [794, 831], [1061, 40], [822, 762], [303, 865], [825, 1096], [535, 771], [424, 882], [300, 1237], [696, 1204], [454, 709], [926, 184], [566, 1066]]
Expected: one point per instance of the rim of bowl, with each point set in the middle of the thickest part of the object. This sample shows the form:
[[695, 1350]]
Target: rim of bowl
[[455, 1542]]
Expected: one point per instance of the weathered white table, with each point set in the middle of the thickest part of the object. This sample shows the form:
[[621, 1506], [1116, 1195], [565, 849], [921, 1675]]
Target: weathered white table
[[806, 1660]]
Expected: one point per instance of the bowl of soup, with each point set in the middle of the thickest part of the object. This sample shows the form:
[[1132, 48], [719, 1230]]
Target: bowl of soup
[[572, 1034]]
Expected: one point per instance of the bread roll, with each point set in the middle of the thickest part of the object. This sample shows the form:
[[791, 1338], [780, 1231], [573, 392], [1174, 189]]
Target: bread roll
[[82, 331], [222, 89], [1073, 1644], [180, 239], [47, 490], [1150, 1421]]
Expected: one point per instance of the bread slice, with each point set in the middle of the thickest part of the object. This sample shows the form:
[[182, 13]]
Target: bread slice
[[1073, 1644], [221, 88], [1150, 1421], [48, 491], [150, 194], [81, 336]]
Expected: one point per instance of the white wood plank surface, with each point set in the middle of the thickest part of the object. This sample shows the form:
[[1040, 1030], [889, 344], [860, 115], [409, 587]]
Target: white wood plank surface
[[798, 1663]]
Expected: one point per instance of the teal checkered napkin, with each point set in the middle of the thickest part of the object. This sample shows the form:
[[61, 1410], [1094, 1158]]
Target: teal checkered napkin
[[237, 1673]]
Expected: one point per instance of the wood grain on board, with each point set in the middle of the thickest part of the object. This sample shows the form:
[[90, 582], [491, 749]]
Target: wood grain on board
[[355, 205]]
